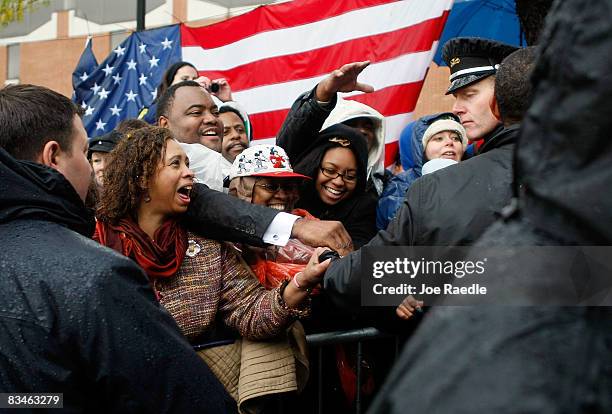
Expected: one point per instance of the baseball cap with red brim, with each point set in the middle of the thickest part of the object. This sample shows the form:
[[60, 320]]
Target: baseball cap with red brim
[[263, 160]]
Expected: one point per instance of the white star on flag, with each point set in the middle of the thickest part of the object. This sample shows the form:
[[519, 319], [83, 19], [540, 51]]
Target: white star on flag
[[125, 79], [100, 124], [115, 110], [103, 94], [108, 70], [166, 43], [154, 94], [131, 96], [120, 51], [95, 88]]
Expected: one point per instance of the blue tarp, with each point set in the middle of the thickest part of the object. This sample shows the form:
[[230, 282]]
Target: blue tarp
[[491, 19]]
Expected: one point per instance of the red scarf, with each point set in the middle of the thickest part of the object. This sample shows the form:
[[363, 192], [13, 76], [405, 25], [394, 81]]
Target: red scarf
[[160, 258]]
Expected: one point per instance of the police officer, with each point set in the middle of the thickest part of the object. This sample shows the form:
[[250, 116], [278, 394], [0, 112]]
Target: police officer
[[99, 148], [473, 63]]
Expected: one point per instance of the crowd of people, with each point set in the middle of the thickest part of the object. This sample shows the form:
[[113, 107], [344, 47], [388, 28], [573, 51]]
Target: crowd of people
[[173, 265]]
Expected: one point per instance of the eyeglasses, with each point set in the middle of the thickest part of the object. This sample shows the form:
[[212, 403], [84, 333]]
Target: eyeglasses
[[347, 177], [276, 187]]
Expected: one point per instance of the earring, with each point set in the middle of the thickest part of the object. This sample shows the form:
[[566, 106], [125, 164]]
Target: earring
[[147, 198]]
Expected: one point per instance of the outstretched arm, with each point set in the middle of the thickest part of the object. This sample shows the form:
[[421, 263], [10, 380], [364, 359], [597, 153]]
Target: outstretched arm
[[343, 79], [303, 122], [309, 111], [218, 216], [257, 313]]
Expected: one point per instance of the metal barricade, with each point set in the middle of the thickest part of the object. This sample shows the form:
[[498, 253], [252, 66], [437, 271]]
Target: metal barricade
[[358, 336]]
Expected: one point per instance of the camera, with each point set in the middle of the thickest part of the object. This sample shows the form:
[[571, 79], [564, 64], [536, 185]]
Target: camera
[[214, 87], [328, 254]]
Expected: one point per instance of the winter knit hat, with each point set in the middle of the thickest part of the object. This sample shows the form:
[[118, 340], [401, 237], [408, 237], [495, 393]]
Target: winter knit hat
[[445, 125]]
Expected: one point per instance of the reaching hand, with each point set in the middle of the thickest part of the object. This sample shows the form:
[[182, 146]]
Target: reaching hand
[[224, 93], [342, 80], [323, 233], [408, 306], [303, 282], [314, 271]]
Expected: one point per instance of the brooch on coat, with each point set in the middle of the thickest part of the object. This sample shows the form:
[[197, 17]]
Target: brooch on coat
[[193, 248]]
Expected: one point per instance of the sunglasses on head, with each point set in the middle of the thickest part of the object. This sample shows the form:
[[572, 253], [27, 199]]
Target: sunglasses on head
[[342, 141]]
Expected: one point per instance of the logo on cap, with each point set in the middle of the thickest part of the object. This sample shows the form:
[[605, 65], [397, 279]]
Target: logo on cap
[[454, 61], [263, 160]]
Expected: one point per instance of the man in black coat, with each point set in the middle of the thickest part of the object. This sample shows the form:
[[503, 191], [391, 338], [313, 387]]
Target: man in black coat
[[75, 317], [455, 205], [545, 359]]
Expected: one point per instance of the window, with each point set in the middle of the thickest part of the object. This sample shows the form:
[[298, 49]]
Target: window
[[13, 62]]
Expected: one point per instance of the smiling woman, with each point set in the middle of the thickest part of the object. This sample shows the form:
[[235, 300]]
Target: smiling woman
[[337, 163], [444, 138], [262, 175]]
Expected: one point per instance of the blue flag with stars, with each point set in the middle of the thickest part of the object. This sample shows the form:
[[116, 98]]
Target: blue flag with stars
[[126, 81], [86, 66]]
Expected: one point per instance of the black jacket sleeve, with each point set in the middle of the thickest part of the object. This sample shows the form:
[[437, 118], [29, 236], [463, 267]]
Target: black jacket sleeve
[[218, 216], [136, 352], [342, 281], [303, 123]]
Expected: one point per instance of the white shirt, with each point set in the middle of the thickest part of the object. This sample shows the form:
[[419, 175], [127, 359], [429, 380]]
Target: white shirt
[[206, 165], [279, 231]]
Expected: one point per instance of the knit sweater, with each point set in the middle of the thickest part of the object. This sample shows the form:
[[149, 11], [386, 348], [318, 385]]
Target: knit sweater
[[214, 281]]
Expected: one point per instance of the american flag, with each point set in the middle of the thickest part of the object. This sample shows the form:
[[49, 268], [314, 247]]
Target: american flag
[[274, 53], [126, 81]]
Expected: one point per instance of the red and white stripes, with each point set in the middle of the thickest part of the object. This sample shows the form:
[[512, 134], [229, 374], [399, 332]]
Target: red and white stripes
[[276, 52]]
